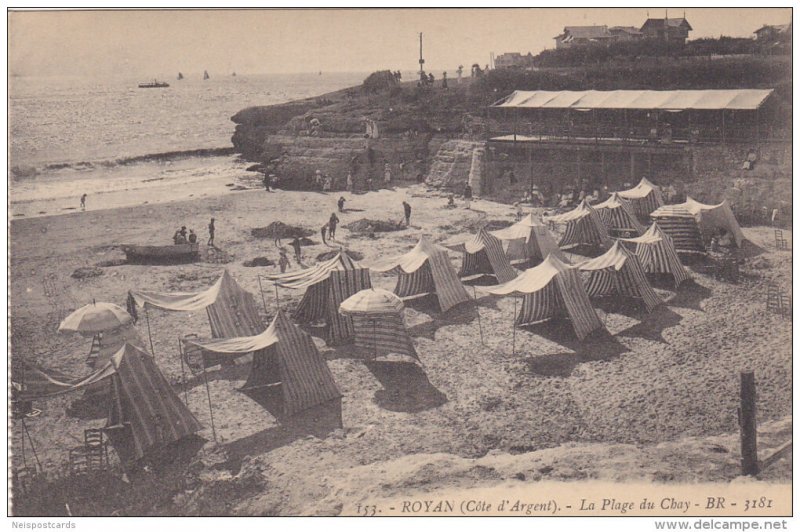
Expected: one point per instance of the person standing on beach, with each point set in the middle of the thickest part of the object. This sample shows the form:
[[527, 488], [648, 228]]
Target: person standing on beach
[[283, 261], [340, 203], [211, 230], [467, 196], [83, 202], [350, 182], [387, 174], [444, 80], [407, 212], [297, 251], [266, 181], [323, 231], [332, 221]]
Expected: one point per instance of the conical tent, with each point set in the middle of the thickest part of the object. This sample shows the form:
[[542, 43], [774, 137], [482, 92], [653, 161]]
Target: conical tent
[[378, 322], [552, 289], [619, 272], [583, 226], [644, 197], [528, 240], [145, 412], [484, 255], [327, 284], [681, 226], [426, 269], [284, 357], [618, 216], [714, 217], [657, 254]]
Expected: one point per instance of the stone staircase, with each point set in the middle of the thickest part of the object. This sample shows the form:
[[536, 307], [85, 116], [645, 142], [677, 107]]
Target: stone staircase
[[456, 163]]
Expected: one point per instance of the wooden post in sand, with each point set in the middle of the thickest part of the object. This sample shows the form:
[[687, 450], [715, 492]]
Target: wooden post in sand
[[149, 336], [514, 333], [208, 394], [747, 423], [480, 326]]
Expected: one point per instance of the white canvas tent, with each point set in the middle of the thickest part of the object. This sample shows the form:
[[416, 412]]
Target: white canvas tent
[[528, 240]]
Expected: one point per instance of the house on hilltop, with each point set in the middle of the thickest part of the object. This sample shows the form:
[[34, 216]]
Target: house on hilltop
[[673, 30], [514, 60], [582, 35], [774, 33], [626, 33]]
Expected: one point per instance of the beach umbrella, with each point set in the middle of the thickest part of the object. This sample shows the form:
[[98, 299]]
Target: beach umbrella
[[371, 302], [95, 318]]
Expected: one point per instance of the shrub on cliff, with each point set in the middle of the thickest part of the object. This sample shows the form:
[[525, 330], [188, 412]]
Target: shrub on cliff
[[379, 81]]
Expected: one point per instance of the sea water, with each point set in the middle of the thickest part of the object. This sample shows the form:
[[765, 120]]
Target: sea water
[[73, 136]]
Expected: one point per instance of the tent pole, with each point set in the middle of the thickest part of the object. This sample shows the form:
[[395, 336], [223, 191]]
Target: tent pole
[[183, 373], [374, 341], [514, 332], [210, 408], [475, 298], [277, 298], [24, 460], [149, 335], [33, 447], [261, 292]]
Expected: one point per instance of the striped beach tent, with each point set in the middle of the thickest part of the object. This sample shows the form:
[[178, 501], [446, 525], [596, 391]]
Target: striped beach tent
[[145, 412], [326, 285], [681, 226], [712, 218], [378, 322], [426, 269], [583, 226], [644, 197], [528, 240], [231, 309], [484, 255], [550, 290], [618, 216], [657, 254], [285, 358], [619, 272]]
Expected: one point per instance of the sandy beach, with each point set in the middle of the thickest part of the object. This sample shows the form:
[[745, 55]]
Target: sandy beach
[[619, 408]]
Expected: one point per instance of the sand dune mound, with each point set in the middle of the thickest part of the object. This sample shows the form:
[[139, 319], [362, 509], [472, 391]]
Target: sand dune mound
[[280, 230]]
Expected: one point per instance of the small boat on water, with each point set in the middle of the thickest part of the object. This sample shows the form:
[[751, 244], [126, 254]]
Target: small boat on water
[[180, 76], [155, 84], [169, 254], [205, 75]]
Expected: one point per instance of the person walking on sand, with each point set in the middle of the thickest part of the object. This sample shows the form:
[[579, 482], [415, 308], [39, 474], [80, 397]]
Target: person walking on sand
[[211, 230], [407, 212], [283, 261], [83, 202], [297, 251], [332, 221], [340, 203]]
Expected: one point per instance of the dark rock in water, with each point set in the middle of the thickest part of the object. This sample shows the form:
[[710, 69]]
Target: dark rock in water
[[258, 261], [86, 272], [328, 255], [366, 226], [281, 230]]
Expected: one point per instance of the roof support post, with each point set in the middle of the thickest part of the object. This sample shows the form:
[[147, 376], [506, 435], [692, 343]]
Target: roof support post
[[723, 125]]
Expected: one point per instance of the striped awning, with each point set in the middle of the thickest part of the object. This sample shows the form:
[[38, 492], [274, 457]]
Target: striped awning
[[657, 254], [487, 248], [617, 213], [315, 274], [669, 100], [528, 239]]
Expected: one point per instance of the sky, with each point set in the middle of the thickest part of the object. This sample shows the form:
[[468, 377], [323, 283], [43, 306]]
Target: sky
[[148, 43]]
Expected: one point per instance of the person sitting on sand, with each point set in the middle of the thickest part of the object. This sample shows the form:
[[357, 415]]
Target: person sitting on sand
[[176, 237], [323, 231], [192, 237], [332, 221], [183, 231], [297, 251], [451, 202], [340, 203], [283, 260]]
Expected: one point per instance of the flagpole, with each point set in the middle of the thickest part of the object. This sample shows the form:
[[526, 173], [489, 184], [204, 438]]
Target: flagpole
[[477, 310], [514, 333]]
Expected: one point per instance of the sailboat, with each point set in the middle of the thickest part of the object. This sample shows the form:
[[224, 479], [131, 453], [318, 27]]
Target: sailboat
[[180, 76], [205, 74]]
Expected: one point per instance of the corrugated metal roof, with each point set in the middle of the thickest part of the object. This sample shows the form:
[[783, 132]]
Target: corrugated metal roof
[[712, 99]]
